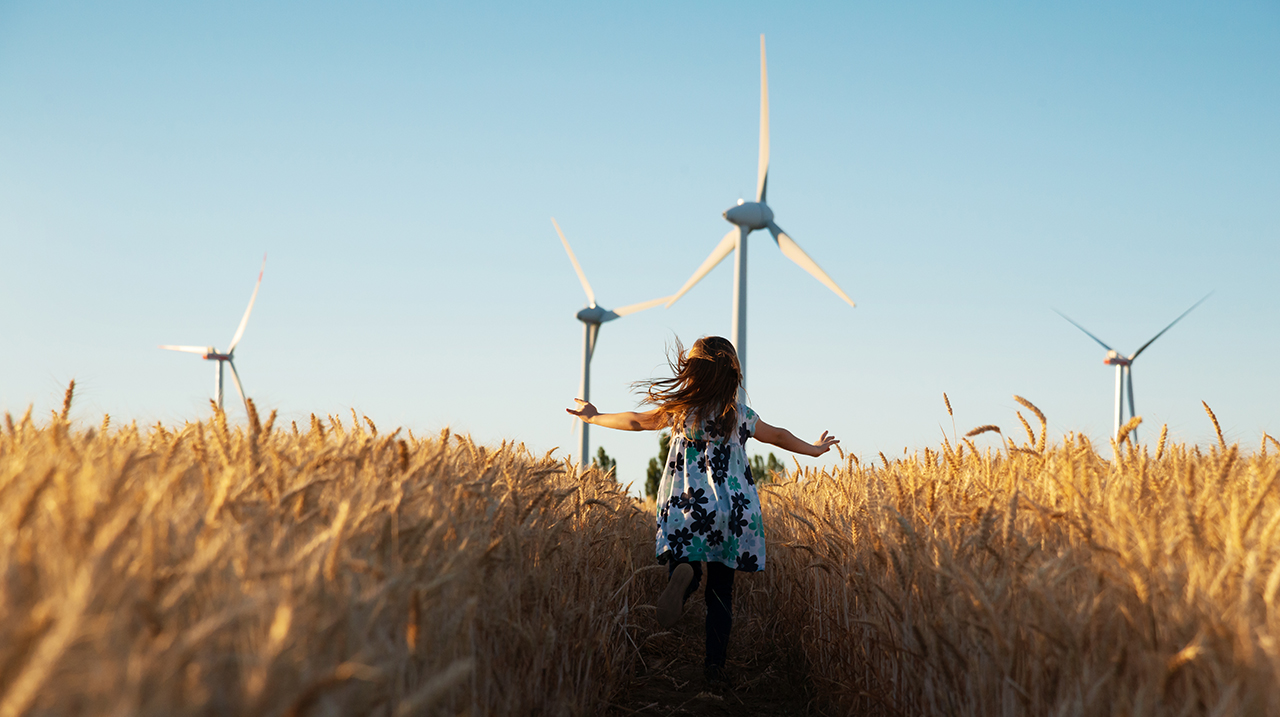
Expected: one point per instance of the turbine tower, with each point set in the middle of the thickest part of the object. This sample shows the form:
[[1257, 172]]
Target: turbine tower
[[1124, 368], [209, 353], [592, 317], [746, 218]]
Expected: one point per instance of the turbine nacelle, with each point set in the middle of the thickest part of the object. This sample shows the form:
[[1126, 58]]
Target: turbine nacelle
[[596, 315], [1115, 359], [749, 215]]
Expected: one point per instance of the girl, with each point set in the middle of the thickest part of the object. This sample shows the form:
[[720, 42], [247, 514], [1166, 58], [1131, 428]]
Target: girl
[[708, 509]]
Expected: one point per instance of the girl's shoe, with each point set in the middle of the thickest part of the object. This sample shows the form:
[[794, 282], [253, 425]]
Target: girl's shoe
[[715, 676], [671, 601]]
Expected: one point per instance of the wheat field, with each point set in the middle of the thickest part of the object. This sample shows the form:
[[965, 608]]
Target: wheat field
[[333, 569], [1034, 579], [326, 570]]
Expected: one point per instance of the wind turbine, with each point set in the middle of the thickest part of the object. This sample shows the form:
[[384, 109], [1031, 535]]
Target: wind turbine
[[1124, 367], [592, 317], [746, 218], [209, 353]]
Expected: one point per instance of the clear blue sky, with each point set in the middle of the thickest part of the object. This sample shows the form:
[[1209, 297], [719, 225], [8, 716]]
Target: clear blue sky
[[960, 170]]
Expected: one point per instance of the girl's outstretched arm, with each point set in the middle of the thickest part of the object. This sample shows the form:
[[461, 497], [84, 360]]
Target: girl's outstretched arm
[[625, 421], [787, 441]]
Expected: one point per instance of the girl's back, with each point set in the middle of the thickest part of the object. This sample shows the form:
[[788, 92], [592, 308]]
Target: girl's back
[[708, 508]]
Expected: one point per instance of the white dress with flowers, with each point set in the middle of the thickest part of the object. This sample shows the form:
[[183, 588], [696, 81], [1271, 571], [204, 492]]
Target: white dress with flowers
[[708, 508]]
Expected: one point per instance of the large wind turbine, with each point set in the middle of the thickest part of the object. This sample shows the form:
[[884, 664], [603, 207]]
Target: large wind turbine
[[592, 317], [746, 218], [1124, 367], [209, 353]]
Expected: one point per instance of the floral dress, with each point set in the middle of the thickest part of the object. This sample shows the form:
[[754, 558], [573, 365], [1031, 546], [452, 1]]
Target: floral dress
[[708, 508]]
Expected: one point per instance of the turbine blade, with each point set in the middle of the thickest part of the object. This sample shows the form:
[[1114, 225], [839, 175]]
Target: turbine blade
[[1170, 326], [245, 321], [1128, 378], [762, 171], [1133, 410], [591, 295], [717, 255], [594, 333], [235, 377], [188, 349], [792, 251], [633, 308], [1078, 326]]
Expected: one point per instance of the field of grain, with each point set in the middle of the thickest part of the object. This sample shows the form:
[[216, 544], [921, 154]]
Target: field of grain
[[1034, 578], [333, 569], [328, 569]]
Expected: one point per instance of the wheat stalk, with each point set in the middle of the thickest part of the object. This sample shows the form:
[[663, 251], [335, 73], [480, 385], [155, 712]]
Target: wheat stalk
[[339, 522], [1044, 424], [66, 401], [1222, 444], [1126, 429], [1031, 436]]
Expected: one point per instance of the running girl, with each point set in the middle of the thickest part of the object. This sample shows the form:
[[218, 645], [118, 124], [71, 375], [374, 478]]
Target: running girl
[[708, 509]]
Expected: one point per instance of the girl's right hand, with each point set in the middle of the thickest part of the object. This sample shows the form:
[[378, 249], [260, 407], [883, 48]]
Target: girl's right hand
[[585, 410]]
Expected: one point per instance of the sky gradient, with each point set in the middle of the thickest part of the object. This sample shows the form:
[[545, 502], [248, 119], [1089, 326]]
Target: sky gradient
[[959, 171]]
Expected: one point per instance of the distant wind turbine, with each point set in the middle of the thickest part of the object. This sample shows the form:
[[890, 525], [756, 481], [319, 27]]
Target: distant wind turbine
[[209, 353], [746, 218], [592, 317], [1124, 367]]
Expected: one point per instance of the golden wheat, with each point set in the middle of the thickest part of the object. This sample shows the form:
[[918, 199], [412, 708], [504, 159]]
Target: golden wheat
[[1127, 429], [1021, 584], [1044, 424], [1216, 428], [207, 568], [215, 569]]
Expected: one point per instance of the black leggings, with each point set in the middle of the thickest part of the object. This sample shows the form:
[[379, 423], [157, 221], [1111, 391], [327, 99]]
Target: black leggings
[[719, 598]]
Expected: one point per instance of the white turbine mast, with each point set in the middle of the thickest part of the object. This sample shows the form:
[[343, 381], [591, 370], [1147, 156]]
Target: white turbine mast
[[746, 218], [592, 317], [209, 353], [1124, 368]]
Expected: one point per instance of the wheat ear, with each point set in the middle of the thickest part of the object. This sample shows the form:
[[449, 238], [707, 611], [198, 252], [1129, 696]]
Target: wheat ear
[[1221, 443], [1044, 424], [1126, 429], [987, 428], [66, 401]]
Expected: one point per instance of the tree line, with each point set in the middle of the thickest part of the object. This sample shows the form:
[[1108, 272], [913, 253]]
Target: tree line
[[764, 469]]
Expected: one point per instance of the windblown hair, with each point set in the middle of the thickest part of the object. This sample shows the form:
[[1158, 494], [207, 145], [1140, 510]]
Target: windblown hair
[[705, 384]]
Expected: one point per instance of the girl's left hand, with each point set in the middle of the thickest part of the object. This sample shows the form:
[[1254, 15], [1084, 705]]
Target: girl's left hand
[[585, 410], [824, 444]]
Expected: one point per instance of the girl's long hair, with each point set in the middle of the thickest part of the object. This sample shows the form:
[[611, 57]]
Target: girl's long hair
[[705, 384]]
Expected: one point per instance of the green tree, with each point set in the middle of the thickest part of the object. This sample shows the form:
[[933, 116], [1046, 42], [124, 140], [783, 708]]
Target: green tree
[[604, 462], [654, 475], [764, 471]]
